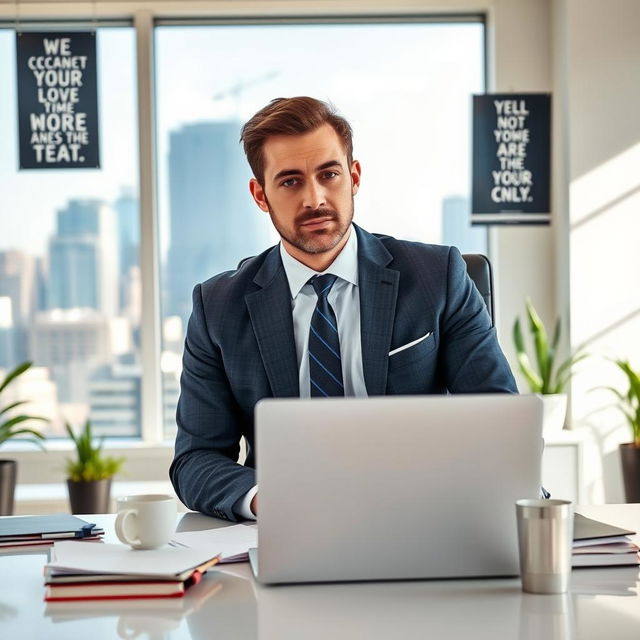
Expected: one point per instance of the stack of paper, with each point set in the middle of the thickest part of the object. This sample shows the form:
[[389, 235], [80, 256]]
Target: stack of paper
[[36, 532], [600, 544], [76, 572], [232, 543]]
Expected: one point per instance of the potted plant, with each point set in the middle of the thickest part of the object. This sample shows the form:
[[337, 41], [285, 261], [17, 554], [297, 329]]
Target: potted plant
[[545, 377], [13, 426], [89, 475], [629, 404]]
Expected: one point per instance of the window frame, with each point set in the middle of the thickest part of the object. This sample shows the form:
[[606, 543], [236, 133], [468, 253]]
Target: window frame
[[144, 17]]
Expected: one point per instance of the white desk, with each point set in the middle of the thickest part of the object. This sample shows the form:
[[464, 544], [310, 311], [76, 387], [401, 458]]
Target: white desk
[[604, 604]]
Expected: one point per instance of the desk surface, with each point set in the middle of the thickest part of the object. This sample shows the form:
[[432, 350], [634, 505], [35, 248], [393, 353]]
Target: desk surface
[[228, 604]]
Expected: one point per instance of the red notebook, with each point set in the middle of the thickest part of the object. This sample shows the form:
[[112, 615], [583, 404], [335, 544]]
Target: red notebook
[[114, 589]]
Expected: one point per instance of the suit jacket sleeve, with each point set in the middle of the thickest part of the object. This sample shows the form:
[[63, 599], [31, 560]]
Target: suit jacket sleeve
[[205, 472], [472, 358]]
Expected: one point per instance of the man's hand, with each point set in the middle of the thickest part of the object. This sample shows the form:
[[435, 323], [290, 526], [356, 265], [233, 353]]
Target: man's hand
[[254, 505]]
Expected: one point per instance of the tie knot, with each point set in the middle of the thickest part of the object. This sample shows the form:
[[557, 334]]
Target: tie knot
[[323, 284]]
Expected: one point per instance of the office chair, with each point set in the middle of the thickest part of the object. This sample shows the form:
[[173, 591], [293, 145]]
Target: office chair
[[479, 270]]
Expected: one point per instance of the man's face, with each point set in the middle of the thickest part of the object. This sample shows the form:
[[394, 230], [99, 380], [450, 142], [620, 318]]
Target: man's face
[[308, 192]]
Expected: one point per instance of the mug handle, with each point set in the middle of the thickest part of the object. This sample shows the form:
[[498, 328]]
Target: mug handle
[[121, 527]]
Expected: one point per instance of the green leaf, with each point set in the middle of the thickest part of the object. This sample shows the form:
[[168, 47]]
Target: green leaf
[[90, 463], [556, 336], [541, 378], [615, 391], [541, 345], [7, 429], [35, 439], [12, 375], [17, 420], [12, 406], [533, 380], [517, 337], [565, 372], [629, 400]]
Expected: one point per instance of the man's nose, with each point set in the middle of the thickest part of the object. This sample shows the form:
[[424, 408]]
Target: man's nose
[[313, 196]]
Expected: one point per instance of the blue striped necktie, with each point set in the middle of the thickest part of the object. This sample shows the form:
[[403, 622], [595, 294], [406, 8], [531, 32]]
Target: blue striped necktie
[[325, 365]]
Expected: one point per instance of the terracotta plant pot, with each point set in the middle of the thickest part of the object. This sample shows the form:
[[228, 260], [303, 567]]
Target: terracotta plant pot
[[8, 474], [630, 458], [89, 497]]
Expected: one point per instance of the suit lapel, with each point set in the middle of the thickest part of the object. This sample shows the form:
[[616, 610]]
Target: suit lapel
[[270, 313], [378, 294]]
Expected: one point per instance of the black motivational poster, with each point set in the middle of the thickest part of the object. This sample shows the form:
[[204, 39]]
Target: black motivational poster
[[57, 100], [511, 158]]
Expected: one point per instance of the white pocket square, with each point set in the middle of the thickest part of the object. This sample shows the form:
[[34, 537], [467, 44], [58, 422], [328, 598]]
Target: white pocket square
[[410, 344]]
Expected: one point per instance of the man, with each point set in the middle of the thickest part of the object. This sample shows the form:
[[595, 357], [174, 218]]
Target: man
[[399, 318]]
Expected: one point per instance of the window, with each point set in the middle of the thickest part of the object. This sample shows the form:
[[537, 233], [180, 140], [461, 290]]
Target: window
[[393, 82], [70, 279], [69, 269]]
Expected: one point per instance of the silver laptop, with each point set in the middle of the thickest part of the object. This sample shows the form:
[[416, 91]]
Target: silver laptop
[[393, 487]]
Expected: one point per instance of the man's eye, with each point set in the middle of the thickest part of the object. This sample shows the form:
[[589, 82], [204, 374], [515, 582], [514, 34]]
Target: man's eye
[[289, 182], [329, 175]]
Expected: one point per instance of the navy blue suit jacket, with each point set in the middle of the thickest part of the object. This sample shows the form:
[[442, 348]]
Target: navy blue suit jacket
[[240, 348]]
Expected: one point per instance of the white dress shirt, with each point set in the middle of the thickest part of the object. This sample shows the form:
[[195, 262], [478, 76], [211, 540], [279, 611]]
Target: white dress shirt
[[344, 299]]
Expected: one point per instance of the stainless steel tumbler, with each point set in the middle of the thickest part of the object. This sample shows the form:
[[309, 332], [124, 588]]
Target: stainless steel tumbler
[[545, 538]]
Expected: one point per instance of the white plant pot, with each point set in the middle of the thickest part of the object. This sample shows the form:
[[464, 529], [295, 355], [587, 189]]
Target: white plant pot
[[554, 413]]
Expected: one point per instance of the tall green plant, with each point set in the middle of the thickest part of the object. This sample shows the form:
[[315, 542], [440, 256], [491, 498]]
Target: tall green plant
[[544, 376], [629, 402], [90, 463], [14, 427]]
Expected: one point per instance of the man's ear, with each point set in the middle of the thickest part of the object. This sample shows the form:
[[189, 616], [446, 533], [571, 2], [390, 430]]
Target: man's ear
[[355, 177], [257, 191]]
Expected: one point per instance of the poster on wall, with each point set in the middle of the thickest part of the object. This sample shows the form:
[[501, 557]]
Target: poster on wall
[[57, 100], [511, 158]]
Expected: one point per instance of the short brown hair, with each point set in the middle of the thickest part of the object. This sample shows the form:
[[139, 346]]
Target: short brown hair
[[290, 117]]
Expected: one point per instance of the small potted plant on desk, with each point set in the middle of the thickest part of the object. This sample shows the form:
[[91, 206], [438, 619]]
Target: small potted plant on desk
[[629, 404], [545, 377], [89, 476], [13, 426]]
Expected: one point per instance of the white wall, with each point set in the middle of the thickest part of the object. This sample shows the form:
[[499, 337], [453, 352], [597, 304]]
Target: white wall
[[523, 256], [602, 95]]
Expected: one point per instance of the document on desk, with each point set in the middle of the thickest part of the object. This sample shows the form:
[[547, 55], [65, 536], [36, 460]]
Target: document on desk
[[233, 543], [166, 562]]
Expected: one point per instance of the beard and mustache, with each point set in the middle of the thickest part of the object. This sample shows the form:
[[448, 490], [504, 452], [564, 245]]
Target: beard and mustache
[[319, 240]]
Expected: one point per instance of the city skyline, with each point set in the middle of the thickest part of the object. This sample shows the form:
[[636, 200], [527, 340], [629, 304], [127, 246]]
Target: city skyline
[[412, 136], [88, 347]]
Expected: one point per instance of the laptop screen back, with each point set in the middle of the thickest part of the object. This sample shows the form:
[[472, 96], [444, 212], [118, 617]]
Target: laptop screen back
[[394, 487]]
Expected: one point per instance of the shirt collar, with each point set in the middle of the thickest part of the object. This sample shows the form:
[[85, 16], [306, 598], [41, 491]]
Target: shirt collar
[[345, 266]]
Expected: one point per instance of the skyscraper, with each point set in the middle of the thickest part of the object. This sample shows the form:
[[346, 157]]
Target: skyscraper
[[7, 338], [128, 221], [214, 222], [128, 233], [18, 288], [18, 282], [70, 343], [83, 258], [114, 399]]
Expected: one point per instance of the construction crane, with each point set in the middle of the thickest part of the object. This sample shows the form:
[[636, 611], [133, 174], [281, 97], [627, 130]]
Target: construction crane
[[235, 91]]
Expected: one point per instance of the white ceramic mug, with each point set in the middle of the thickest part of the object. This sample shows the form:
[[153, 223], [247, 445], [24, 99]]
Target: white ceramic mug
[[146, 521]]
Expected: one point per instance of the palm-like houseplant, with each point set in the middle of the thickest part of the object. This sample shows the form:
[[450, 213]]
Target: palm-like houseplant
[[89, 474], [544, 374], [629, 404], [14, 426]]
